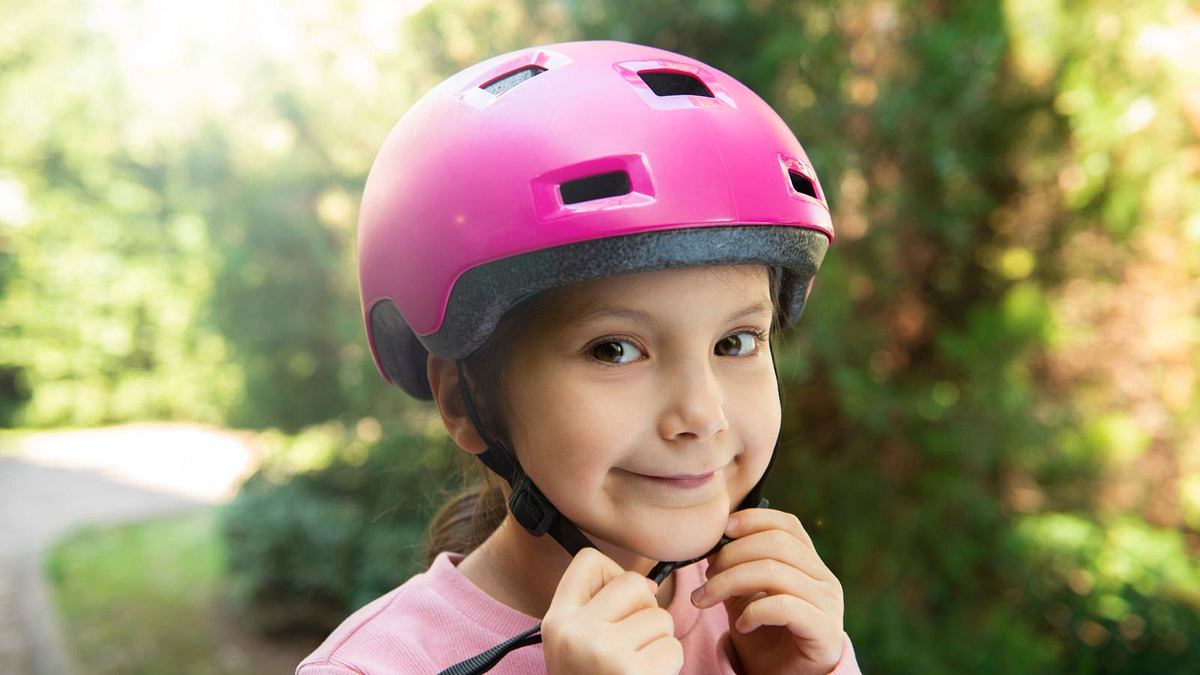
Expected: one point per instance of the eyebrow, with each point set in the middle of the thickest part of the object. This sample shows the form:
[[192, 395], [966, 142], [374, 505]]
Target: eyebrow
[[607, 311]]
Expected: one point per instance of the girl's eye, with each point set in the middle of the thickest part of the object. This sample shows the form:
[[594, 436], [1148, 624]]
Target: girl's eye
[[739, 344], [616, 351]]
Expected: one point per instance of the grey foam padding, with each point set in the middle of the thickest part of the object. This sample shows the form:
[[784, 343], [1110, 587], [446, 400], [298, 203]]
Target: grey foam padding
[[400, 352], [483, 294]]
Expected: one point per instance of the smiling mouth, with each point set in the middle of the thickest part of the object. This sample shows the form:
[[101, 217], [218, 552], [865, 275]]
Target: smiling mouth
[[680, 481]]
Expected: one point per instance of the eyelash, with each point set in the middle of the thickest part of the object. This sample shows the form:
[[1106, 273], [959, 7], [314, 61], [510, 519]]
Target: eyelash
[[760, 339]]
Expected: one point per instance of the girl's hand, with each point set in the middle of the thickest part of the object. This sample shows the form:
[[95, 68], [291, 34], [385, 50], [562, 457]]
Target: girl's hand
[[605, 620], [785, 606]]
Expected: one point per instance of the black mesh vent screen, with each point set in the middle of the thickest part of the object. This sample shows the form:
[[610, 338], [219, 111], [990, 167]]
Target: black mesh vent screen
[[601, 185], [675, 84], [803, 184]]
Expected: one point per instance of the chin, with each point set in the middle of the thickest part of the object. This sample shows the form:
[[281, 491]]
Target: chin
[[674, 540]]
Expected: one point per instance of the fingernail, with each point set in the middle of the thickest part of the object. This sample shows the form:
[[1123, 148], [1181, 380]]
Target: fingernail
[[697, 595], [731, 525]]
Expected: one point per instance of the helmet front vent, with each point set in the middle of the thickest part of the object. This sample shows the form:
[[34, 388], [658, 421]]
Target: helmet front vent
[[674, 83], [599, 186], [509, 80]]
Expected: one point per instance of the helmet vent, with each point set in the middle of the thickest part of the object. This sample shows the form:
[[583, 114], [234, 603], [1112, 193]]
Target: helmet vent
[[803, 184], [669, 83], [509, 80], [599, 186]]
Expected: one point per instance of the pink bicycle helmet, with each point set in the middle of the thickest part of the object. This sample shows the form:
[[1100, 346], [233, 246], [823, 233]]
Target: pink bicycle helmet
[[567, 162]]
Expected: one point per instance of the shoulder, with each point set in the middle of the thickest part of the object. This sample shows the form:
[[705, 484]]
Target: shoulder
[[382, 636], [389, 634], [433, 620]]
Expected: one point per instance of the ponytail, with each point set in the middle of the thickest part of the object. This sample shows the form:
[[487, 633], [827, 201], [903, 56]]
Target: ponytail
[[469, 517]]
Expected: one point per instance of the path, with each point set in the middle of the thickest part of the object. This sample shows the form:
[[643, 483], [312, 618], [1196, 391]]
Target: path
[[54, 482]]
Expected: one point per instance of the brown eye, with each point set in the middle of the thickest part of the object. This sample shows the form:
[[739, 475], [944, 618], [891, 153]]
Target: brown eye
[[616, 351], [738, 344]]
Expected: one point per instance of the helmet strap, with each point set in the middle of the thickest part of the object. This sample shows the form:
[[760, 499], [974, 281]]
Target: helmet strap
[[526, 502]]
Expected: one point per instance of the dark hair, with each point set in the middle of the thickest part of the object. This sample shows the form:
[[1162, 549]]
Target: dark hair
[[470, 516]]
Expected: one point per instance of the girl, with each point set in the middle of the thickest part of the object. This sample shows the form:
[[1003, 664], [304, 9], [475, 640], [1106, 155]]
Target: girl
[[579, 252]]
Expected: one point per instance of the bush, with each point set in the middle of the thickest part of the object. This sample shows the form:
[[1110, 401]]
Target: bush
[[1120, 594], [306, 550]]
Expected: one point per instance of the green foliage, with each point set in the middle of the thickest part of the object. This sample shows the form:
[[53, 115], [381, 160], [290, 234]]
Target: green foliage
[[305, 549], [1131, 593], [187, 262]]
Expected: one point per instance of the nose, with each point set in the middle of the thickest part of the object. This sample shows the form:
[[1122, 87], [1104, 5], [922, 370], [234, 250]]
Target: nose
[[694, 405]]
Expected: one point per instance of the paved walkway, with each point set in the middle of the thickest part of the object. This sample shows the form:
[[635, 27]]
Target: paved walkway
[[54, 482]]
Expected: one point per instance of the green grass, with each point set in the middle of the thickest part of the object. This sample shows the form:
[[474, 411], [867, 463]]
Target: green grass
[[149, 598]]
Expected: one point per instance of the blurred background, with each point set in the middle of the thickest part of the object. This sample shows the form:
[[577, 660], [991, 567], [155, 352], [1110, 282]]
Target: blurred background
[[992, 417]]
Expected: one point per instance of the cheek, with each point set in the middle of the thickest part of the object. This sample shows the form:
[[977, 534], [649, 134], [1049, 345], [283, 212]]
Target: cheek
[[757, 418], [566, 445]]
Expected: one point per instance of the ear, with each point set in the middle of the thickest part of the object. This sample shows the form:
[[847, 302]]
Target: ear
[[443, 382]]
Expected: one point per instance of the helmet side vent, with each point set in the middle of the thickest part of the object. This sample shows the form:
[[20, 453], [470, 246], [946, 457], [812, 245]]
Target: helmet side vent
[[509, 80], [674, 83], [599, 186], [803, 184]]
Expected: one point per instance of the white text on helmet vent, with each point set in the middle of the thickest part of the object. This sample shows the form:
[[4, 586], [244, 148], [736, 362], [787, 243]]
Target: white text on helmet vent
[[673, 83], [599, 186], [509, 80]]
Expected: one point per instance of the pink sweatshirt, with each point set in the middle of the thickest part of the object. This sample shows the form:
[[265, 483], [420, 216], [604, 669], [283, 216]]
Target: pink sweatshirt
[[438, 618]]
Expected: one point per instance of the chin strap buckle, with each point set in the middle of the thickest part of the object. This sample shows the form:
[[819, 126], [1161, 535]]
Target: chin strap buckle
[[531, 508]]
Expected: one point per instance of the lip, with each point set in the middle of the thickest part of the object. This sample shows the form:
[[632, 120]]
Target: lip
[[682, 481]]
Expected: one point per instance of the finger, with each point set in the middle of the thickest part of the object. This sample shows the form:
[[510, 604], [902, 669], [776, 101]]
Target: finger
[[766, 576], [774, 544], [664, 655], [647, 625], [748, 521], [589, 571], [820, 634], [620, 597]]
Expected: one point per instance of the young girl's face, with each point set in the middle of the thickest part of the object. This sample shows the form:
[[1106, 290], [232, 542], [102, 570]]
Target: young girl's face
[[645, 406]]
